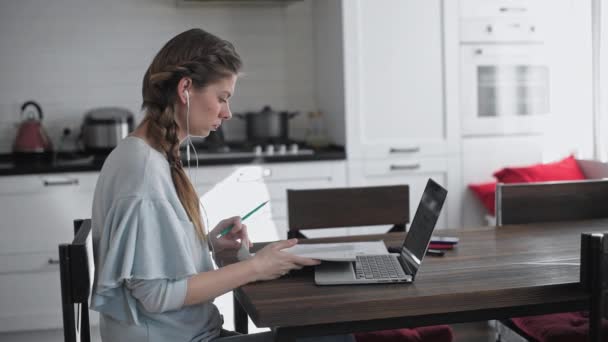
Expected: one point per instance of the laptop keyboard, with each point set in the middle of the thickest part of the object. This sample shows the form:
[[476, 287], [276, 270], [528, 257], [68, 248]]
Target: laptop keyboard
[[378, 267]]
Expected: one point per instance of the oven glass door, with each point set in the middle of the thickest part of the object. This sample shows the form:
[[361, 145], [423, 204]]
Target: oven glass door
[[505, 89]]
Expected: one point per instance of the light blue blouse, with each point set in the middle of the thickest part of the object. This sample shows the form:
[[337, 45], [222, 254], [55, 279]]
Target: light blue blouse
[[146, 249]]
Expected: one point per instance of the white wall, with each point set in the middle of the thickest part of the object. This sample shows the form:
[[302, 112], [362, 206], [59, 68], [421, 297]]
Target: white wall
[[73, 55]]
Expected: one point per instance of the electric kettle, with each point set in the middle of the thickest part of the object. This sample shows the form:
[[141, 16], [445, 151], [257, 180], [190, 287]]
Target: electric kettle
[[31, 137]]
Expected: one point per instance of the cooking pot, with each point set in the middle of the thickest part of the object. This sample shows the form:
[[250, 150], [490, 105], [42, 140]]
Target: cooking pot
[[103, 128], [267, 125], [31, 137]]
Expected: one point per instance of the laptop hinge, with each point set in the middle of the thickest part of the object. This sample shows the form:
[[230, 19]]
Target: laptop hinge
[[406, 267]]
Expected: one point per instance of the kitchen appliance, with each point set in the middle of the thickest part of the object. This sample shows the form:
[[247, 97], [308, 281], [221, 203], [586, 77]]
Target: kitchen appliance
[[267, 126], [242, 150], [505, 76], [31, 139], [103, 128]]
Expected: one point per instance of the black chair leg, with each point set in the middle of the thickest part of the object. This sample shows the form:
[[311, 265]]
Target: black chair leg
[[241, 322]]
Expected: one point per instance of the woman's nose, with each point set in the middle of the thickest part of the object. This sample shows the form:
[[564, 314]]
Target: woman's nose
[[226, 114]]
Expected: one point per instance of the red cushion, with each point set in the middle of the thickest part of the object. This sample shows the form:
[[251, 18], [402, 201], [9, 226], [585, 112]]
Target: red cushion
[[437, 333], [486, 193], [565, 169], [562, 327]]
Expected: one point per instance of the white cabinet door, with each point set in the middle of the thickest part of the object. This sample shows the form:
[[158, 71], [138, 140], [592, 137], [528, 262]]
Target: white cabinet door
[[38, 210], [395, 76], [38, 213], [412, 172]]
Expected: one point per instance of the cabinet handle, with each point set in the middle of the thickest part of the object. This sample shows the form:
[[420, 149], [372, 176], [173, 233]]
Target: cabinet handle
[[405, 167], [73, 181], [404, 150], [266, 172], [512, 9], [53, 261]]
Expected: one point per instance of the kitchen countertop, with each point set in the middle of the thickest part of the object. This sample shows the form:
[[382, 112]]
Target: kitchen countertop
[[66, 162]]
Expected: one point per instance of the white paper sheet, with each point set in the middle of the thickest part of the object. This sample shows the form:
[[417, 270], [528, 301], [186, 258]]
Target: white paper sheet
[[338, 251]]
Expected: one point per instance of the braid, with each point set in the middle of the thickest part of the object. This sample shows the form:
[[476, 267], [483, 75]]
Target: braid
[[204, 58], [162, 129]]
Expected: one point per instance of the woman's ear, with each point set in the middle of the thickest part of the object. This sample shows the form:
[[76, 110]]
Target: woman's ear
[[183, 86]]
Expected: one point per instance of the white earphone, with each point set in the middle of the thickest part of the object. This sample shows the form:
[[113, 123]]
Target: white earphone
[[189, 143], [188, 126]]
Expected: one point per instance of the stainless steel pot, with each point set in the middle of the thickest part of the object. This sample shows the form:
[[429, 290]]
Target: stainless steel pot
[[267, 125], [103, 128]]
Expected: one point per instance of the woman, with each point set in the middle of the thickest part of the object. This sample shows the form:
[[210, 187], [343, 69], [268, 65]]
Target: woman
[[155, 279]]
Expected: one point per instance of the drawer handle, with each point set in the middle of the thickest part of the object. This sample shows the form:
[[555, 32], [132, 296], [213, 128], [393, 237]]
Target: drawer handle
[[404, 150], [512, 9], [73, 181], [266, 173], [405, 167], [53, 261]]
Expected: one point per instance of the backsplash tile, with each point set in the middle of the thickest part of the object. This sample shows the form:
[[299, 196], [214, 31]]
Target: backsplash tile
[[74, 55]]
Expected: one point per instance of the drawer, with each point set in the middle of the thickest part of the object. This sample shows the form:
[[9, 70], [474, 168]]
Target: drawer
[[11, 185], [503, 8], [29, 263], [38, 222], [405, 150], [300, 171], [393, 167], [504, 30], [30, 301], [413, 172]]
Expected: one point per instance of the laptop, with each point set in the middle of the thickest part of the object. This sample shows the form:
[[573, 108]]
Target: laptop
[[395, 267]]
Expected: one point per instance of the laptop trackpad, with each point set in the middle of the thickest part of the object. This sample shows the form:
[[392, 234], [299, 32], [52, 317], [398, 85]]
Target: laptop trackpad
[[330, 273]]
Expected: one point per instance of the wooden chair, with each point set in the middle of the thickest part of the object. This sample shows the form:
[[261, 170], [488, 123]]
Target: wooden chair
[[76, 269], [348, 207], [547, 202], [521, 203], [594, 279]]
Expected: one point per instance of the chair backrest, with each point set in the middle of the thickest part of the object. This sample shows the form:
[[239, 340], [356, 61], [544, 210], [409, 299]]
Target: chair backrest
[[520, 203], [348, 207], [594, 279], [76, 268]]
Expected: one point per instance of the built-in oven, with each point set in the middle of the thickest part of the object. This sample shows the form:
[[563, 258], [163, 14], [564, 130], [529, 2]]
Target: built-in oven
[[505, 89], [505, 75]]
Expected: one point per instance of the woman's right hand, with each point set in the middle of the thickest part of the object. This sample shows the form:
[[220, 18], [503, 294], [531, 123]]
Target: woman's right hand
[[271, 262]]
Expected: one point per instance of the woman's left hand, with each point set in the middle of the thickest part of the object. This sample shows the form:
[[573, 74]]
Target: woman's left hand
[[234, 238]]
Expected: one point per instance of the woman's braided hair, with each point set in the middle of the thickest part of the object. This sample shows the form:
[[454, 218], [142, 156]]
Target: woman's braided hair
[[205, 59]]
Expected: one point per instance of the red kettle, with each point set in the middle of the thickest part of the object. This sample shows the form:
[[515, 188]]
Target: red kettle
[[31, 137]]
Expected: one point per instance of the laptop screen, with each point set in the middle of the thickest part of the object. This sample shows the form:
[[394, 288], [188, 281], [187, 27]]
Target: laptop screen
[[425, 218]]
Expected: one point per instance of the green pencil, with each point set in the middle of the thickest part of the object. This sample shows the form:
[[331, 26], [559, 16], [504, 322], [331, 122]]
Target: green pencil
[[229, 228]]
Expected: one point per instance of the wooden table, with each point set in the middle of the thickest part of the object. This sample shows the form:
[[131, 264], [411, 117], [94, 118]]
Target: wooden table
[[493, 273]]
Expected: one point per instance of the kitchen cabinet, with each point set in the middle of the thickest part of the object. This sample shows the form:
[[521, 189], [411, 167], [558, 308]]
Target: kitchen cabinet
[[414, 172], [397, 59], [401, 97], [37, 213]]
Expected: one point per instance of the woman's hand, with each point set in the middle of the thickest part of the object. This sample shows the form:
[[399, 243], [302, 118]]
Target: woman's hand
[[234, 238], [271, 262]]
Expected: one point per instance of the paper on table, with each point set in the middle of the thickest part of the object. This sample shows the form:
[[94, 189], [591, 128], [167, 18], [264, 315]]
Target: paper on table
[[347, 251]]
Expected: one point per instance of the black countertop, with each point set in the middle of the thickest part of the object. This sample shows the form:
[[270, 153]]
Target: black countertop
[[11, 165]]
